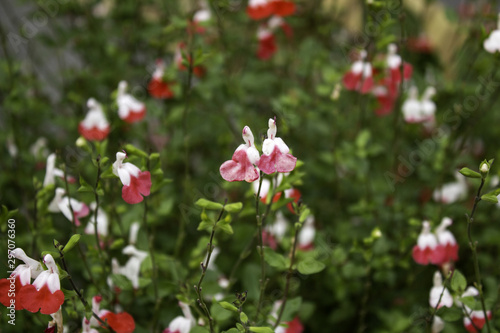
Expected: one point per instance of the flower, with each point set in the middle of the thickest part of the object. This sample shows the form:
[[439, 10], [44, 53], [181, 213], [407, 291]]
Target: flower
[[296, 195], [129, 108], [102, 222], [394, 63], [273, 233], [265, 187], [200, 18], [451, 192], [293, 326], [241, 166], [411, 107], [439, 296], [276, 156], [136, 183], [437, 324], [61, 204], [10, 288], [260, 9], [121, 322], [45, 293], [157, 87], [94, 127], [473, 318], [447, 240], [427, 250], [360, 76], [492, 43], [307, 234], [51, 172], [267, 43], [181, 324]]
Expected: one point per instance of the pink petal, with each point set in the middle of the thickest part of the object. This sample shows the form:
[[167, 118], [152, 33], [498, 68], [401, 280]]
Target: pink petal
[[367, 85], [239, 168], [277, 162], [138, 185]]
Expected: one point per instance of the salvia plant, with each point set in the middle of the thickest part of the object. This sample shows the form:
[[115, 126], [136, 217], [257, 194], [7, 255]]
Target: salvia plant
[[260, 166]]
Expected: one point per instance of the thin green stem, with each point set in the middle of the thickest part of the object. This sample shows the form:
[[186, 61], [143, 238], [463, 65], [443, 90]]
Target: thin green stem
[[96, 197], [473, 247], [288, 277], [82, 299], [204, 266]]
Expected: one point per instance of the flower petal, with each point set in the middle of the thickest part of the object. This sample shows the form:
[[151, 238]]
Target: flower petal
[[120, 322], [239, 168], [43, 300]]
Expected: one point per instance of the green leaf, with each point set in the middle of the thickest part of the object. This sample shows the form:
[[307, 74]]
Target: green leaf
[[226, 227], [458, 281], [261, 329], [204, 203], [228, 306], [240, 327], [199, 329], [117, 244], [130, 149], [489, 198], [310, 266], [84, 186], [233, 330], [233, 207], [71, 243], [304, 215], [469, 302], [243, 317], [291, 308], [470, 173], [449, 314], [205, 225], [274, 259], [68, 294]]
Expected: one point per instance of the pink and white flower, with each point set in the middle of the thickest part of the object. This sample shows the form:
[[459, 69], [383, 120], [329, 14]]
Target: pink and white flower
[[242, 165], [427, 250], [136, 183], [439, 296], [61, 204], [45, 293], [129, 108], [94, 127], [307, 235], [276, 156]]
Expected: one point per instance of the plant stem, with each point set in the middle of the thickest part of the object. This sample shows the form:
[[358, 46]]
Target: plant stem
[[261, 246], [288, 277], [82, 299], [473, 247], [96, 197], [204, 267]]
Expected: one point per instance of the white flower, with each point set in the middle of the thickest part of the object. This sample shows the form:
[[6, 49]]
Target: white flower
[[438, 291]]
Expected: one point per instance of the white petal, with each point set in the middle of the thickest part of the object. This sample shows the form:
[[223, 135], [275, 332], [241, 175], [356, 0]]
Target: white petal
[[268, 146], [281, 145]]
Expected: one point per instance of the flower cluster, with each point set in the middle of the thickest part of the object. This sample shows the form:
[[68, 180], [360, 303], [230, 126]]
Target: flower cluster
[[419, 111], [246, 158], [438, 248], [383, 83], [43, 295], [275, 10]]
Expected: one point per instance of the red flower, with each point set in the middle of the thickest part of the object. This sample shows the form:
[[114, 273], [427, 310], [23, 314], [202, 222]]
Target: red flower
[[267, 44], [449, 245], [296, 195], [241, 166], [157, 87], [120, 322], [45, 293], [136, 183], [276, 156], [360, 76], [94, 127], [260, 9], [427, 250], [129, 108], [283, 8]]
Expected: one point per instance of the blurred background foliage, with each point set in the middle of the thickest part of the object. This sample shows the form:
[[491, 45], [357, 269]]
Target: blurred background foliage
[[369, 285]]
